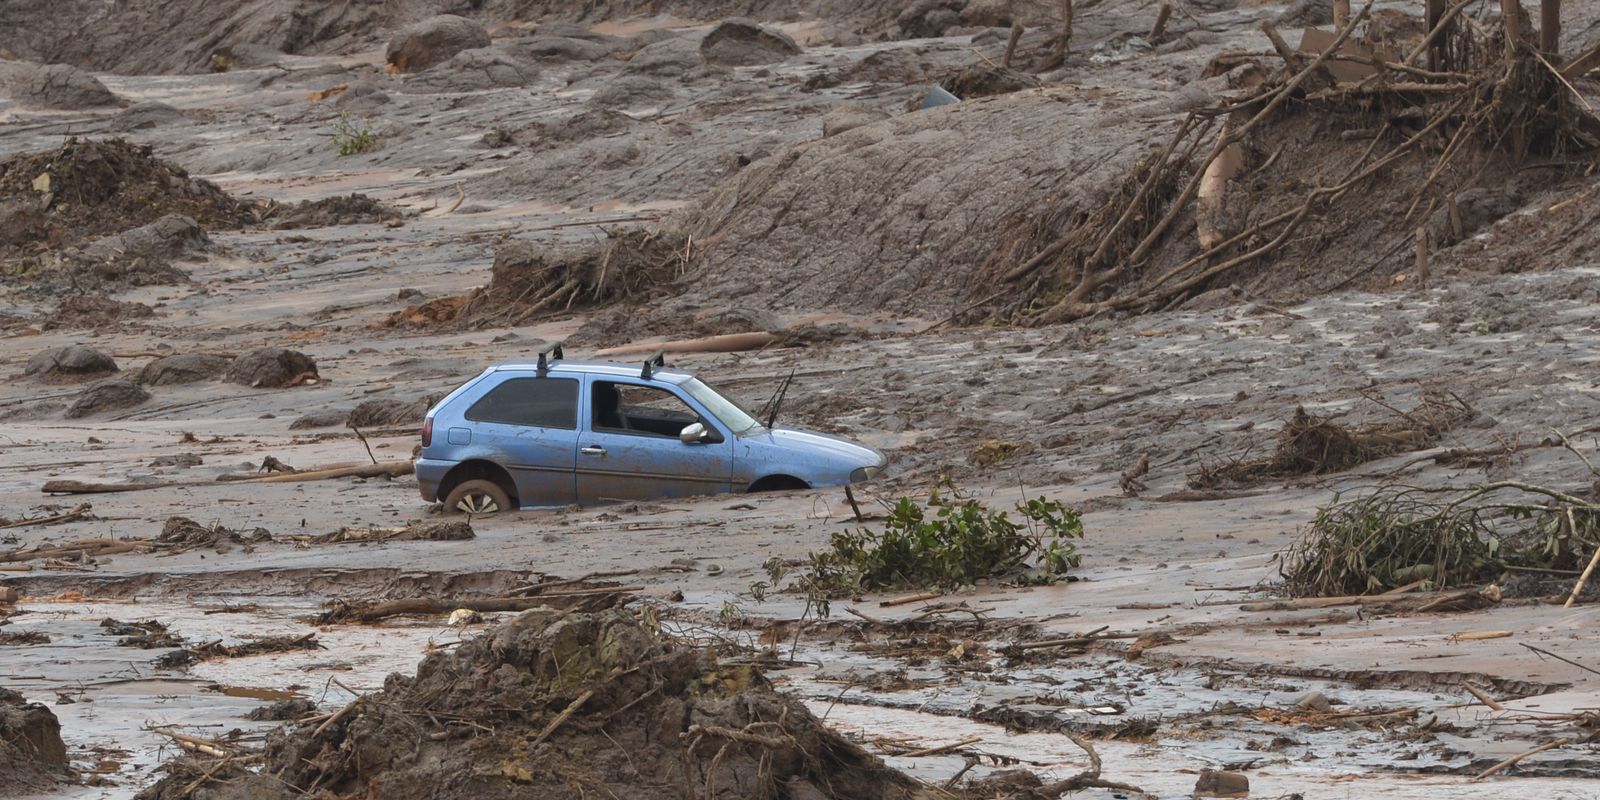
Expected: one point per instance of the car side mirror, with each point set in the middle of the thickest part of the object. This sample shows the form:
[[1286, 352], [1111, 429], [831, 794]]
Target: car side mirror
[[695, 434]]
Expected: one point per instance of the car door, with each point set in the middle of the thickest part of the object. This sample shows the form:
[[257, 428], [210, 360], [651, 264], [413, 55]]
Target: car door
[[529, 425], [630, 450]]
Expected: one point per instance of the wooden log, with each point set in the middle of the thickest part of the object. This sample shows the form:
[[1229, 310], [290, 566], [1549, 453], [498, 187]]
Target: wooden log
[[1011, 44], [1506, 764], [1422, 257], [1341, 13], [723, 343], [88, 547], [385, 469], [1435, 14], [1511, 18], [70, 515], [81, 487], [910, 598], [1159, 29], [1550, 29], [1583, 579]]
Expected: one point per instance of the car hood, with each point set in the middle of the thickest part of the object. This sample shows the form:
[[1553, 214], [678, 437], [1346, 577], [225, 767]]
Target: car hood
[[822, 443]]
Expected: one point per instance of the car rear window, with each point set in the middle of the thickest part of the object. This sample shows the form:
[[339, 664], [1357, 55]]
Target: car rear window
[[535, 402]]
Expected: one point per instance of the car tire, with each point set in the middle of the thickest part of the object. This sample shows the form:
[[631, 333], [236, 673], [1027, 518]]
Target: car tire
[[478, 498]]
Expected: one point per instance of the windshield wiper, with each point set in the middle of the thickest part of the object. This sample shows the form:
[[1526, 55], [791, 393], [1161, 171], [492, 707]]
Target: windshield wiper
[[777, 399]]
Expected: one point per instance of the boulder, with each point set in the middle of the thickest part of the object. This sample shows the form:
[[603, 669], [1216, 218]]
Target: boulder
[[926, 19], [743, 43], [168, 237], [73, 362], [633, 91], [671, 58], [185, 368], [108, 395], [475, 70], [434, 41], [270, 368], [58, 87], [361, 96]]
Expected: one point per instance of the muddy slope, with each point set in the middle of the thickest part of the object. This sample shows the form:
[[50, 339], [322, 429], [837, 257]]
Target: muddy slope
[[152, 36], [803, 229]]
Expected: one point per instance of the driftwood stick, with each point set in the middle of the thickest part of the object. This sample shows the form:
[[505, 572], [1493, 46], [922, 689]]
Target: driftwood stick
[[1011, 44], [1506, 764], [566, 713], [70, 515], [1583, 579]]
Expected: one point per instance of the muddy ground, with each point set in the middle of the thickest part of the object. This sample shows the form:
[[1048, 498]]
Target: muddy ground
[[579, 123]]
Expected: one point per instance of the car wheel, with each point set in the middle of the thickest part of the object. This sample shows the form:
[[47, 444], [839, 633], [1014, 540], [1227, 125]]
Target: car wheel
[[478, 498]]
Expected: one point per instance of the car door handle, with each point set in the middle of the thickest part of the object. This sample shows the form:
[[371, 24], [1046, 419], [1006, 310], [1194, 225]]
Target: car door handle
[[593, 450]]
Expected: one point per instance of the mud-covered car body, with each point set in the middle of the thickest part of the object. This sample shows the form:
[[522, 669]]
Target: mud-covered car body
[[562, 432]]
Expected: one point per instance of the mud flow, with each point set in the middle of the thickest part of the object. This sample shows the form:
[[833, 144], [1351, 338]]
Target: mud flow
[[1233, 362]]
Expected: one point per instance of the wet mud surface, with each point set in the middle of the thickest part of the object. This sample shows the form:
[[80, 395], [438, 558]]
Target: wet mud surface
[[573, 142]]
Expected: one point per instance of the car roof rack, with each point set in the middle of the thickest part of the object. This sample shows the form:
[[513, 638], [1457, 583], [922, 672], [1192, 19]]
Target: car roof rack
[[552, 353], [657, 360]]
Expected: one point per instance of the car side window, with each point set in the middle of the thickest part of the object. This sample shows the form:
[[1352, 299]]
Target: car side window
[[639, 410], [534, 402]]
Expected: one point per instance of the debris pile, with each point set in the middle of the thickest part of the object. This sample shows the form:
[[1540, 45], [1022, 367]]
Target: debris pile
[[81, 311], [352, 209], [1309, 445], [560, 705], [32, 755], [182, 533], [530, 279], [103, 215]]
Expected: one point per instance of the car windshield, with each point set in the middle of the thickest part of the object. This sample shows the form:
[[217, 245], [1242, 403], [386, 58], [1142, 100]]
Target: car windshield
[[729, 412]]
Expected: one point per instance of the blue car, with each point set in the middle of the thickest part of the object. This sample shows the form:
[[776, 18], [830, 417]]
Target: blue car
[[560, 432]]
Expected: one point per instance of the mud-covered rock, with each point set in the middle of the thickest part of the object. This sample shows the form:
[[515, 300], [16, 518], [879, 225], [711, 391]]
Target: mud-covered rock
[[633, 91], [95, 311], [70, 363], [849, 117], [671, 58], [743, 43], [362, 96], [168, 237], [475, 70], [389, 412], [284, 711], [271, 368], [184, 368], [926, 19], [32, 754], [114, 394], [144, 116], [59, 87], [330, 418], [434, 41], [559, 48]]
